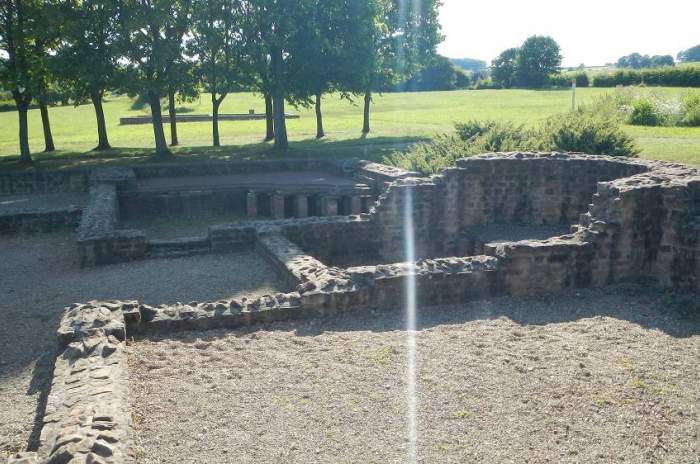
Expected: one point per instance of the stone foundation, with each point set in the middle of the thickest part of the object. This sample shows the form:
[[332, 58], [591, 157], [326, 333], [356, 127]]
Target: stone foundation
[[641, 224]]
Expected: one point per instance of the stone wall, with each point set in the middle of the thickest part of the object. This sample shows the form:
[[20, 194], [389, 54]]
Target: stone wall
[[231, 167], [40, 221], [36, 181], [645, 227], [87, 417], [519, 188], [99, 241]]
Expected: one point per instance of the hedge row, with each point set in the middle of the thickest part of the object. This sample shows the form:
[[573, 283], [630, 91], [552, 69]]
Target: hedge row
[[687, 76]]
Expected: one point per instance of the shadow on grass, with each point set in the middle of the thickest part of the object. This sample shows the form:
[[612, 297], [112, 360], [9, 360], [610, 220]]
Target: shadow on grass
[[373, 149]]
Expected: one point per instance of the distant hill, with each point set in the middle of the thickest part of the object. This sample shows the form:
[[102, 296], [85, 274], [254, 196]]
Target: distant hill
[[469, 64]]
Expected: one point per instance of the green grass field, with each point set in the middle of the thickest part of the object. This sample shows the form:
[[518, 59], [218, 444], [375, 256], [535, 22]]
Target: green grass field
[[397, 120]]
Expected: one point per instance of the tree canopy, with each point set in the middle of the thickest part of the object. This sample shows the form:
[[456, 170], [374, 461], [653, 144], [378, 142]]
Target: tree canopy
[[528, 66], [637, 61], [691, 54], [289, 51]]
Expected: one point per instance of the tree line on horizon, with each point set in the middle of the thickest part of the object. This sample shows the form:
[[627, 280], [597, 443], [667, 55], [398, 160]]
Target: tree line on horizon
[[287, 51]]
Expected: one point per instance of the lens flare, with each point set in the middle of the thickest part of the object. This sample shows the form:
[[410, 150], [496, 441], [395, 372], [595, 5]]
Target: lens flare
[[410, 290]]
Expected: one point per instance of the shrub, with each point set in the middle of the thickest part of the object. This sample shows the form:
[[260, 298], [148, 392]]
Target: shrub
[[486, 84], [564, 80], [430, 157], [645, 113], [686, 76], [581, 131], [690, 110]]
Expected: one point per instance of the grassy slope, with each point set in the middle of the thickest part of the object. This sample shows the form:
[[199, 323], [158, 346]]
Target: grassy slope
[[396, 120]]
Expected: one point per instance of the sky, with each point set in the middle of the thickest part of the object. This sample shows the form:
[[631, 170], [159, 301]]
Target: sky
[[593, 32]]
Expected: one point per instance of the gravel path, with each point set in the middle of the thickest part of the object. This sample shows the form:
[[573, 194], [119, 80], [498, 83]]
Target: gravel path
[[597, 376], [39, 277]]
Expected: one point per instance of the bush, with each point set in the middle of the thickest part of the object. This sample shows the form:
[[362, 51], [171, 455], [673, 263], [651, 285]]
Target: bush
[[564, 80], [690, 110], [486, 84], [581, 131], [586, 133], [645, 113], [430, 157], [686, 76]]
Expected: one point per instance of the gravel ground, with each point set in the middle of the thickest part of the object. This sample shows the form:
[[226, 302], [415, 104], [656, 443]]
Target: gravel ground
[[597, 376], [37, 203], [39, 277]]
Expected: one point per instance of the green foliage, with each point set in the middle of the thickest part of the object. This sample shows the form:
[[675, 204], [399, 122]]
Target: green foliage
[[486, 84], [690, 110], [438, 74], [685, 76], [691, 54], [530, 66], [565, 80], [503, 68], [430, 157], [637, 61], [538, 58], [645, 113], [586, 133], [581, 131], [469, 64]]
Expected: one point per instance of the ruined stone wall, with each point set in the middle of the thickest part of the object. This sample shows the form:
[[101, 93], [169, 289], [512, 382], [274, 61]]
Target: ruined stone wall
[[646, 228], [40, 221], [15, 183], [519, 188], [87, 415], [337, 240], [231, 167], [99, 240]]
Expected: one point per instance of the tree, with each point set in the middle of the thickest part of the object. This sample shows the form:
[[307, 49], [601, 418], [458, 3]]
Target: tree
[[538, 58], [503, 68], [438, 74], [403, 40], [47, 32], [87, 57], [218, 42], [691, 54], [328, 55], [469, 64], [637, 61], [151, 44], [282, 33], [19, 60]]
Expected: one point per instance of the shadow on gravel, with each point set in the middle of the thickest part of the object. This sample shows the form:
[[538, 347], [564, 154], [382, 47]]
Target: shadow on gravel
[[675, 314]]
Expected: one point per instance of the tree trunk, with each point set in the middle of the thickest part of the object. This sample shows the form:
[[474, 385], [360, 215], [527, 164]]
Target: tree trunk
[[319, 118], [269, 118], [157, 118], [368, 102], [281, 142], [173, 118], [46, 124], [102, 140], [215, 120], [25, 156]]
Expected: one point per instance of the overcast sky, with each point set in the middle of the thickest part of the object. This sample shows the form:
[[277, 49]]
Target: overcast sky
[[593, 32]]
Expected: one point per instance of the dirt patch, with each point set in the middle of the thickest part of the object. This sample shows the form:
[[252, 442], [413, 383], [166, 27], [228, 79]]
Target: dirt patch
[[39, 276], [600, 375]]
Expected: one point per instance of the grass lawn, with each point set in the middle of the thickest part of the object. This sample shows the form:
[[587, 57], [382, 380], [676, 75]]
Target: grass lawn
[[398, 119]]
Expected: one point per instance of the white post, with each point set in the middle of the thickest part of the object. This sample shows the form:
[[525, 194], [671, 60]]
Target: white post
[[573, 94]]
